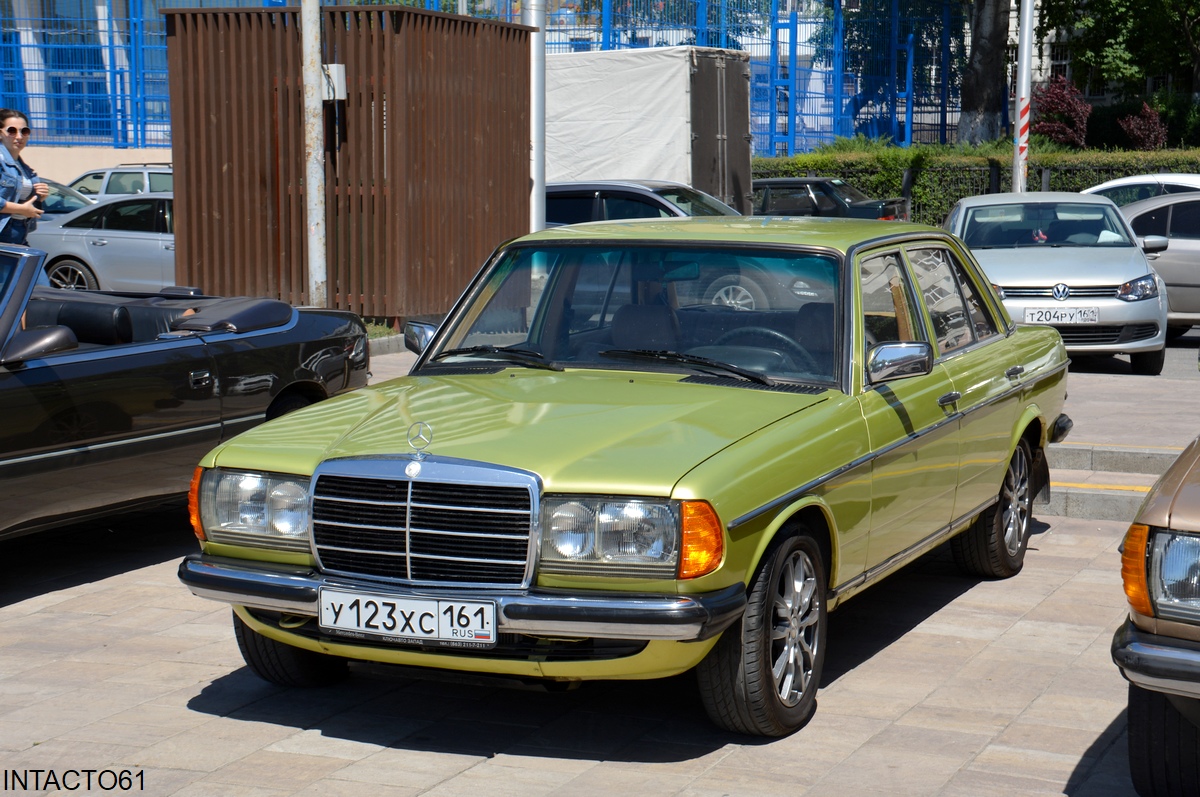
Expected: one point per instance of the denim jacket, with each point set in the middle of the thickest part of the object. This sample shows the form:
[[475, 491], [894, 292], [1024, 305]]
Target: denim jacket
[[11, 173]]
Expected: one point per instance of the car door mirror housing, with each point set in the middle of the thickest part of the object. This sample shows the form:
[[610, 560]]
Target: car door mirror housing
[[38, 342], [1154, 243], [889, 361], [417, 335]]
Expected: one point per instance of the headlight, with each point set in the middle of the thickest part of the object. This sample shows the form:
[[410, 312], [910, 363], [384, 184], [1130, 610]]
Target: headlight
[[629, 537], [260, 509], [1175, 576], [1141, 288]]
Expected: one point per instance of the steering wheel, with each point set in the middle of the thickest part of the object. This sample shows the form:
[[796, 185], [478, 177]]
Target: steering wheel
[[774, 335]]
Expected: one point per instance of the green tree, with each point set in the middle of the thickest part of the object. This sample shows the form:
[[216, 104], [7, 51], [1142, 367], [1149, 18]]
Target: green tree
[[985, 78], [1122, 42]]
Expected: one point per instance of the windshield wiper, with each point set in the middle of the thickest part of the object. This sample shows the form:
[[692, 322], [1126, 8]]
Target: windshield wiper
[[689, 359], [529, 357]]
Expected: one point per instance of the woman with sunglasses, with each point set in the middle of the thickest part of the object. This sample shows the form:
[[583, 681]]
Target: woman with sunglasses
[[20, 190]]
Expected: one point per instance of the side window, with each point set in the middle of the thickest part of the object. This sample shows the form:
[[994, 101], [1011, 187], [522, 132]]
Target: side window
[[826, 205], [1153, 222], [1185, 220], [1124, 194], [1172, 188], [569, 208], [126, 183], [888, 305], [632, 207], [792, 202], [90, 183], [132, 216], [162, 182], [87, 221], [958, 312]]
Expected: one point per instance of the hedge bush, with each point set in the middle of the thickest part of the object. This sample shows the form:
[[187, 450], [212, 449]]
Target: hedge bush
[[937, 177]]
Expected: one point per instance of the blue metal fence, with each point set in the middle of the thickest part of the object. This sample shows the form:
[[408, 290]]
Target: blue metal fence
[[819, 70]]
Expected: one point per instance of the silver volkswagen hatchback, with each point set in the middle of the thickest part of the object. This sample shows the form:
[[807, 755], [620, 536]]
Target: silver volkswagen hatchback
[[1071, 261]]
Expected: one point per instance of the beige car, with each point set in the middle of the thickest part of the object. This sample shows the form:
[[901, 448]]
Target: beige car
[[1158, 647]]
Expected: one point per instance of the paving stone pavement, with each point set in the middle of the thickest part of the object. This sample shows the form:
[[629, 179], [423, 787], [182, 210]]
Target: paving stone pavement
[[935, 684]]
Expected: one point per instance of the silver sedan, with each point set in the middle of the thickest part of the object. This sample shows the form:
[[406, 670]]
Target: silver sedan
[[1071, 261], [122, 243]]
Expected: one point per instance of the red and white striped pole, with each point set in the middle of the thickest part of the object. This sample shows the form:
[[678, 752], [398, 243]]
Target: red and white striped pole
[[1024, 81]]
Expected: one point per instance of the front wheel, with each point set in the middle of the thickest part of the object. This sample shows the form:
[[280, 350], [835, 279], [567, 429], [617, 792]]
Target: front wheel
[[283, 664], [994, 545], [761, 678], [1164, 746], [1148, 363]]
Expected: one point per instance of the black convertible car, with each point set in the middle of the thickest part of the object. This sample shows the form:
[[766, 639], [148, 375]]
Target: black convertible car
[[108, 400]]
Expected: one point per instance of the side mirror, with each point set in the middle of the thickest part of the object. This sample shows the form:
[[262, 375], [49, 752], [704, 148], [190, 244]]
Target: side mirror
[[29, 344], [888, 361], [1152, 244], [417, 335]]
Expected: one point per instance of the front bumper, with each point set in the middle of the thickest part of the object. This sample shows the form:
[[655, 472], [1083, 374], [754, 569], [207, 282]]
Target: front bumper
[[537, 612], [1158, 663], [1122, 328]]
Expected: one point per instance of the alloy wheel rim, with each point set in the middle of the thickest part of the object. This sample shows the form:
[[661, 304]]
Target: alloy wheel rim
[[794, 639], [734, 296], [1016, 503], [68, 278]]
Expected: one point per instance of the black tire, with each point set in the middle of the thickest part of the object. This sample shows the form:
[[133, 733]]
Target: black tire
[[740, 293], [1175, 333], [290, 402], [1148, 363], [283, 664], [1164, 746], [71, 275], [994, 545], [784, 624]]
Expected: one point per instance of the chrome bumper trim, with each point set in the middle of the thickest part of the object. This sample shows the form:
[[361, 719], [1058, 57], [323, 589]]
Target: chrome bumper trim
[[609, 615], [1157, 663]]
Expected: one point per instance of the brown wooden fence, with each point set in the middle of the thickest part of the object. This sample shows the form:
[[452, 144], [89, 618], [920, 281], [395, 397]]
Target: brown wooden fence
[[426, 162]]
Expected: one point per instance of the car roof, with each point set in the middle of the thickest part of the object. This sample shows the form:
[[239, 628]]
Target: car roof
[[1142, 205], [651, 185], [107, 199], [1020, 198], [766, 181], [1136, 179], [841, 234]]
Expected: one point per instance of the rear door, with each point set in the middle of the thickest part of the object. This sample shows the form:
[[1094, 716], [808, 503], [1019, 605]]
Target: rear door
[[1179, 264], [131, 248]]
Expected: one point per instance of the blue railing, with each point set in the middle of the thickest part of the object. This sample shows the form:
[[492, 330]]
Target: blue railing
[[102, 79]]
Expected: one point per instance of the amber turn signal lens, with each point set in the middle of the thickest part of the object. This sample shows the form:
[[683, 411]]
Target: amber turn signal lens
[[703, 540], [1133, 569], [194, 505]]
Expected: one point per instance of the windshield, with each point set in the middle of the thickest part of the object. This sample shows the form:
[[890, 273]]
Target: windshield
[[847, 193], [713, 311], [695, 203], [1044, 224]]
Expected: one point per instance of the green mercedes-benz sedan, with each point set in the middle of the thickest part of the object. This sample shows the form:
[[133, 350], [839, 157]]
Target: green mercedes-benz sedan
[[605, 465]]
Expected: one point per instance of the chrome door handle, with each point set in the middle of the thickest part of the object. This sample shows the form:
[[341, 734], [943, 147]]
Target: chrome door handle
[[950, 398], [98, 242], [169, 247], [1015, 371], [199, 379]]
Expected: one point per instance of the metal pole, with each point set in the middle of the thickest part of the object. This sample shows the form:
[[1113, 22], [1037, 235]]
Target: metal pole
[[533, 14], [314, 150], [1024, 68]]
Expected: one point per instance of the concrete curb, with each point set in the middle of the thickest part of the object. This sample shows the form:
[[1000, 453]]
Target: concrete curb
[[1111, 459]]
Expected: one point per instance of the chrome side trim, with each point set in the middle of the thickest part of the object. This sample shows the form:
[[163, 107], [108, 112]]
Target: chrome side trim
[[903, 557], [113, 444]]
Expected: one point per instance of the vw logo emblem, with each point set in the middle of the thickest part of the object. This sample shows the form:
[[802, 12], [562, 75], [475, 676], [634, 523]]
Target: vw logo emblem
[[1062, 292], [420, 435]]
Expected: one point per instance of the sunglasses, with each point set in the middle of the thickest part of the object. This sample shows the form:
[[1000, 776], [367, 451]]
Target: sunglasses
[[12, 131]]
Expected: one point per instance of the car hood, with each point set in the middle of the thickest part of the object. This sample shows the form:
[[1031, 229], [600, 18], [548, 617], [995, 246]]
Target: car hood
[[1174, 502], [1049, 265], [631, 432]]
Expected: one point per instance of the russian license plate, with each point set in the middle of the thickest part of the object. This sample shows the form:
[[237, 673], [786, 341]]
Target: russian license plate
[[454, 622], [1062, 315]]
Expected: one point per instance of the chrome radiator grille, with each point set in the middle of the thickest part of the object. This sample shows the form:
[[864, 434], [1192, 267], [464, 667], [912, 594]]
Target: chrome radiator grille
[[423, 531]]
